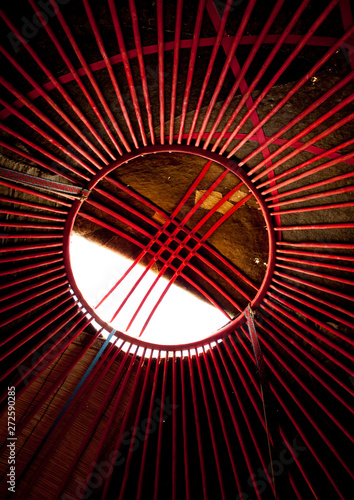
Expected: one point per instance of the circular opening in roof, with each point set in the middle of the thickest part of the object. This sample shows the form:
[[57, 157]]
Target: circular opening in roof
[[170, 247]]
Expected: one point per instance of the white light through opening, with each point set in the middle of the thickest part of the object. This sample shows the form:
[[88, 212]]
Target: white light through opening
[[180, 318]]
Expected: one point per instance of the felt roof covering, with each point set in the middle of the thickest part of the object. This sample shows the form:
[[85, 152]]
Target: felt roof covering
[[212, 143]]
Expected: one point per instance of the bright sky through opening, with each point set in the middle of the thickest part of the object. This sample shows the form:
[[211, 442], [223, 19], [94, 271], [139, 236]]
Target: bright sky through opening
[[180, 318]]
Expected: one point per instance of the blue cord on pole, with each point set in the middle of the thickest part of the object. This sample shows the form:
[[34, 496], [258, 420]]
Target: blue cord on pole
[[78, 387]]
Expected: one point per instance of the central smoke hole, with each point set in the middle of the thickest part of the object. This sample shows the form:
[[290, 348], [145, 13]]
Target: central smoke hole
[[178, 240], [181, 315]]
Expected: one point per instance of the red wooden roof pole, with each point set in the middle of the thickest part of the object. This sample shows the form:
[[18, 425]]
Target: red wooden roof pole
[[75, 74], [29, 266], [22, 424], [45, 153], [14, 258], [311, 171], [142, 400], [160, 427], [280, 71], [161, 53], [240, 77], [291, 417], [243, 409], [320, 207], [221, 79], [211, 425], [294, 455], [36, 160], [29, 225], [33, 215], [233, 416], [317, 226], [315, 254], [90, 384], [113, 79], [264, 317], [245, 381], [301, 360], [306, 388], [315, 244], [92, 80], [128, 73], [197, 425], [319, 309], [148, 427], [313, 140], [296, 120], [31, 204], [45, 69], [50, 101], [296, 87], [103, 405], [306, 413], [309, 330], [174, 481], [347, 20], [308, 283], [307, 187], [139, 51], [176, 49], [192, 59], [184, 430], [30, 277], [315, 320], [13, 303], [209, 70], [25, 338], [43, 339], [49, 138]]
